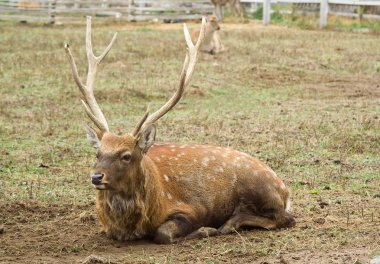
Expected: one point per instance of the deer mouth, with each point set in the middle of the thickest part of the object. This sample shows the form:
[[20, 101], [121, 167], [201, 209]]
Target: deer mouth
[[100, 186]]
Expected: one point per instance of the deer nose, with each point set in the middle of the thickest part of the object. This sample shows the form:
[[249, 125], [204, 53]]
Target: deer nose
[[96, 178]]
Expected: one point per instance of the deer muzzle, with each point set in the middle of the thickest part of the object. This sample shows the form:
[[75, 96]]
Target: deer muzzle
[[96, 178]]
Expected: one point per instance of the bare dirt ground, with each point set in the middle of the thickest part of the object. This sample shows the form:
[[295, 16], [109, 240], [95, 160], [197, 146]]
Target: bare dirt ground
[[306, 102]]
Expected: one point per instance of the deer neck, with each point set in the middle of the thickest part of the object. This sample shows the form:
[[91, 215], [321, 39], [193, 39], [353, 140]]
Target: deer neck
[[128, 214], [140, 196], [208, 36]]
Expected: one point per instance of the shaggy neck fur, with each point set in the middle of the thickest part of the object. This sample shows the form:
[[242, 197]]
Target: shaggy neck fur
[[125, 215]]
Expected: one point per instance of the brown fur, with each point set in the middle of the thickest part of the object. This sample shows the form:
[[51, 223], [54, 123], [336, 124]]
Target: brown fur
[[211, 42], [174, 190]]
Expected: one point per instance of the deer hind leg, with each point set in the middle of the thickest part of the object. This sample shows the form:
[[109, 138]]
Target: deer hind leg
[[282, 219]]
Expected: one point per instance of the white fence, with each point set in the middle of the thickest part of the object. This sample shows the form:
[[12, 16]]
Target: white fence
[[133, 10], [324, 7], [62, 10]]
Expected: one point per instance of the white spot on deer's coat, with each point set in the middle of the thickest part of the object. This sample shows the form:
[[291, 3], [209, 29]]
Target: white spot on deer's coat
[[213, 158], [183, 146], [219, 169], [193, 147], [195, 160], [282, 186], [169, 196], [163, 156], [158, 159], [162, 193], [205, 161], [234, 179], [172, 146], [166, 178], [173, 149]]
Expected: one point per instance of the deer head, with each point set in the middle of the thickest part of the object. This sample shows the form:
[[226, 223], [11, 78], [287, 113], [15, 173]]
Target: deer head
[[120, 158], [212, 24]]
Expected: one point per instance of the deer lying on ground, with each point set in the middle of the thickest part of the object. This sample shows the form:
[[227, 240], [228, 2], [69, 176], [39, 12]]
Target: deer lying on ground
[[211, 42], [171, 192]]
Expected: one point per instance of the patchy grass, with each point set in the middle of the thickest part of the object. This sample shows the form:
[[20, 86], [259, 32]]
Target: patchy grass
[[306, 102]]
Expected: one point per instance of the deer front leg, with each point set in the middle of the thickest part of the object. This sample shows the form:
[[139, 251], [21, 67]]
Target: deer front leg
[[179, 228], [176, 226], [203, 232]]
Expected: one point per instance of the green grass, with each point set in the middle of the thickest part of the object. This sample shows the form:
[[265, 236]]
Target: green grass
[[297, 19]]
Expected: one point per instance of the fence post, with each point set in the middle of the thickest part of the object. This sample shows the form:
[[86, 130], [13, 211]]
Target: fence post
[[323, 13], [130, 10], [266, 12]]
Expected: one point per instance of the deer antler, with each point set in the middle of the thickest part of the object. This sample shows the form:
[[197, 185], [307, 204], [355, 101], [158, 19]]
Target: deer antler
[[186, 74], [91, 106]]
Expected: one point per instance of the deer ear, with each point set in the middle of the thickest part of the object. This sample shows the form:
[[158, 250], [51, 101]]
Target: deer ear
[[146, 138], [92, 136]]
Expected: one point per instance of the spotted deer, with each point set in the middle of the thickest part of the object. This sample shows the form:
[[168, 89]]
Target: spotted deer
[[211, 42], [170, 192]]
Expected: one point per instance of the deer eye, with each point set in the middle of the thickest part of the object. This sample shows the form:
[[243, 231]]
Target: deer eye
[[126, 157]]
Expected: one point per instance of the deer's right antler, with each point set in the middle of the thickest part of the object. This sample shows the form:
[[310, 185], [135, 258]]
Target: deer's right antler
[[89, 102], [186, 74]]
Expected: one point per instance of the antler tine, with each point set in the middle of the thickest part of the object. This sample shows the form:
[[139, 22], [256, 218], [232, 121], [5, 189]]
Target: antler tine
[[193, 50], [186, 74], [90, 52], [94, 119], [141, 122], [91, 106]]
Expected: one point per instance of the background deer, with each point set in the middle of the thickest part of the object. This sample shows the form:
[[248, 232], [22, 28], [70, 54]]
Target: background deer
[[211, 42], [219, 4], [168, 191]]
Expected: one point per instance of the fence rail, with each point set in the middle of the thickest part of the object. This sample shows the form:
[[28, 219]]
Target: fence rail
[[61, 10], [324, 7], [135, 10]]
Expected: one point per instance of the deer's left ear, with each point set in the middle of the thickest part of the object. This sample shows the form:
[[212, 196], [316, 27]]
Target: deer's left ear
[[92, 136], [146, 138]]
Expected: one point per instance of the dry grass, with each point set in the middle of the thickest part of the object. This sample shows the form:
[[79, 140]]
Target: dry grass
[[306, 102]]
